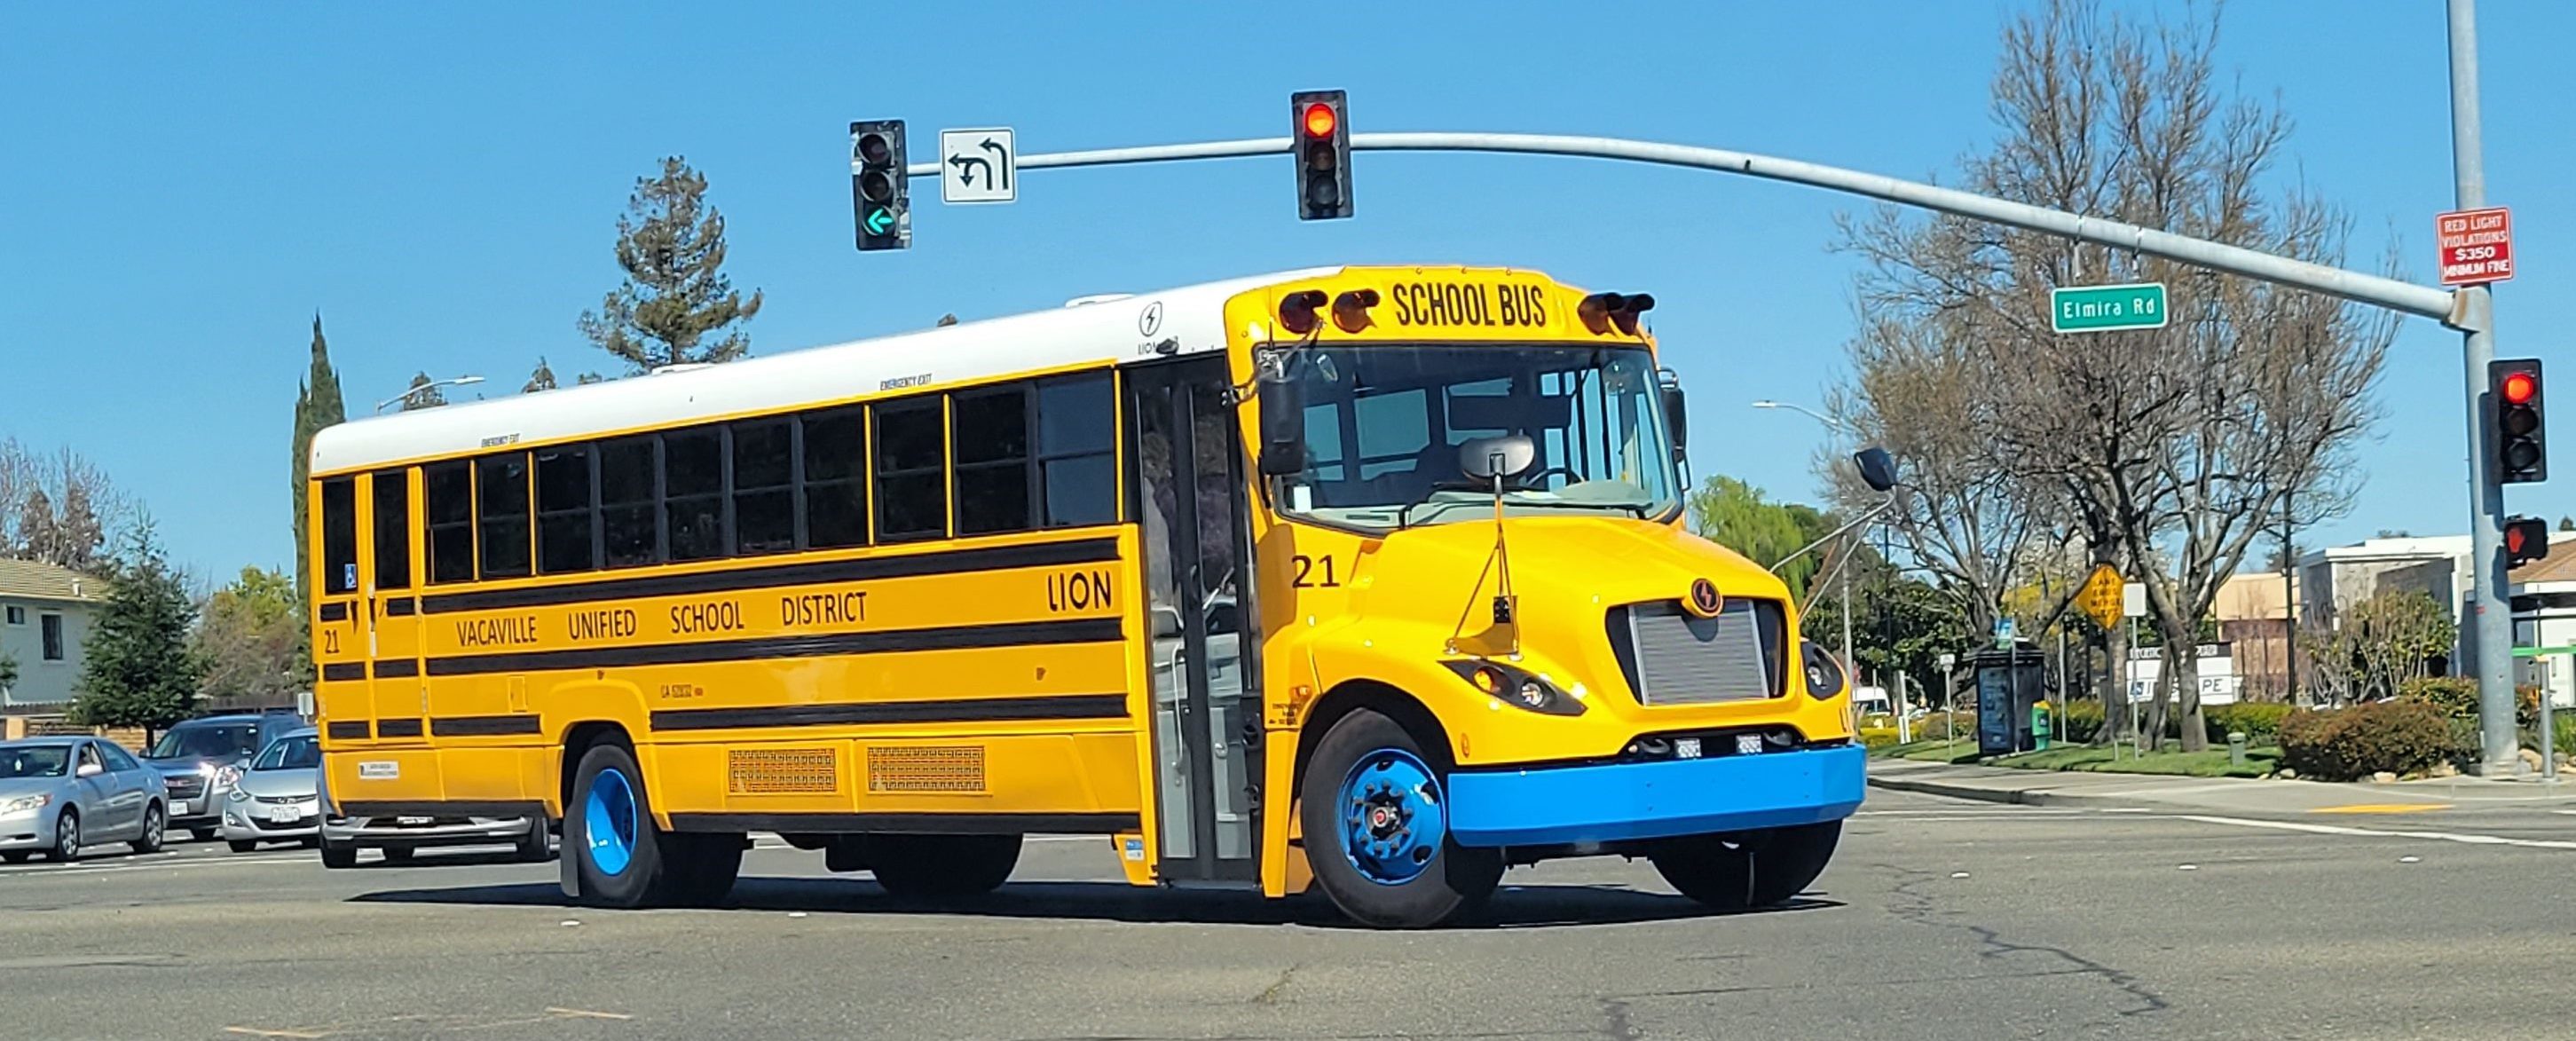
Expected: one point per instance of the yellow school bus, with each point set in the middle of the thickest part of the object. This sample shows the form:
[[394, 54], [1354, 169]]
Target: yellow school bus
[[1372, 579]]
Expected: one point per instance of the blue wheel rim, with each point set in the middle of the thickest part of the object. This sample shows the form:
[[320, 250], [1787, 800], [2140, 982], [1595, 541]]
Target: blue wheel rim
[[608, 822], [1392, 819]]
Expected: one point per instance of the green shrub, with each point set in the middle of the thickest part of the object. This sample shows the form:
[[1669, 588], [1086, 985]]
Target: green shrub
[[1875, 738], [2352, 743], [1943, 726], [2455, 696], [2078, 722], [2259, 721]]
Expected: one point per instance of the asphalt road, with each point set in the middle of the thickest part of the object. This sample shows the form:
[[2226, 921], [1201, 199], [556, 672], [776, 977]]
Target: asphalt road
[[1937, 920]]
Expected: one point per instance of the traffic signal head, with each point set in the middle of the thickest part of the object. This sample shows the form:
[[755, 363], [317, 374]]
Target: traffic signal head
[[879, 192], [2526, 539], [1321, 138], [2517, 442]]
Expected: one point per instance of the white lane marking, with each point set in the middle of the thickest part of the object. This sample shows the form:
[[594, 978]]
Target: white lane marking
[[2380, 833], [79, 868]]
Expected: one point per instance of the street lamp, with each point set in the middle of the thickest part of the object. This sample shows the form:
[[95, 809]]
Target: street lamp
[[1818, 416], [453, 381], [1842, 567]]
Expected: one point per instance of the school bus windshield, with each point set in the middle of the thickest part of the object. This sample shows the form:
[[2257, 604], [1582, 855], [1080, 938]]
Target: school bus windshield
[[1382, 426]]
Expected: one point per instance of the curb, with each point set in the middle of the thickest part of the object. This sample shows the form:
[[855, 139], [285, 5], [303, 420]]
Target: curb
[[2001, 795], [2010, 796]]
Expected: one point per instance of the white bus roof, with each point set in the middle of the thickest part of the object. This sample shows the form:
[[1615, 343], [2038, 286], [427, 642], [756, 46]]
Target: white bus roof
[[1111, 329]]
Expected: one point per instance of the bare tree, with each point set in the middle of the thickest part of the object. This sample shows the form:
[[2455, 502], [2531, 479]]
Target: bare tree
[[58, 508], [2164, 450]]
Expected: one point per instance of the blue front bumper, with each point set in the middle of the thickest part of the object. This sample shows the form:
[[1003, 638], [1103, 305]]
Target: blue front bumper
[[1576, 804]]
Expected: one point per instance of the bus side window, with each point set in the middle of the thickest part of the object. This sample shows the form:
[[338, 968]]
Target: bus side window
[[912, 482], [990, 429], [1077, 426], [835, 456], [393, 529], [693, 500], [564, 520], [501, 507], [451, 521], [629, 521], [764, 486], [339, 536]]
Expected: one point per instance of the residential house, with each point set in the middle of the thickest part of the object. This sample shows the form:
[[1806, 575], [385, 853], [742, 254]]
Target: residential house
[[45, 616]]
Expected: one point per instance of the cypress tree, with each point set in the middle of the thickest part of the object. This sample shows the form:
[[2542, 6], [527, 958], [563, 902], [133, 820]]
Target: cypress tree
[[317, 405]]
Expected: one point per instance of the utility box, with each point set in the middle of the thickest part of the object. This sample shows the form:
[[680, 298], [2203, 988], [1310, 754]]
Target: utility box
[[2010, 683]]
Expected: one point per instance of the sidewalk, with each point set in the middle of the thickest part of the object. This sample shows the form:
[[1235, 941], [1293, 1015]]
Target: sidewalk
[[2206, 794]]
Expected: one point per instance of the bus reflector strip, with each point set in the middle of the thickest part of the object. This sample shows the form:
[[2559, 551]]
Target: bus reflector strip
[[941, 638], [783, 771], [864, 713], [957, 769]]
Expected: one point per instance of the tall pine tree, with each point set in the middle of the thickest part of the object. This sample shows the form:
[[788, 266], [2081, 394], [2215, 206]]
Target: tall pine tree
[[317, 405], [137, 668], [672, 246]]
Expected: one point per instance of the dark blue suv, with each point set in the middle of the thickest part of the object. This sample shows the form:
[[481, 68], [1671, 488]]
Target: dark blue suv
[[202, 757]]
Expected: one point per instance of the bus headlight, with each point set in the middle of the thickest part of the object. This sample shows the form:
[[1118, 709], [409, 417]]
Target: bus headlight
[[1516, 687], [1824, 674]]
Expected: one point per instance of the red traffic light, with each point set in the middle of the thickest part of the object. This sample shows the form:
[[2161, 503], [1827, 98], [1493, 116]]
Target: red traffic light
[[2519, 387], [1319, 120]]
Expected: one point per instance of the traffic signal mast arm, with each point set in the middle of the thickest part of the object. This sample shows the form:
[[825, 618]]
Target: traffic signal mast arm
[[2404, 297]]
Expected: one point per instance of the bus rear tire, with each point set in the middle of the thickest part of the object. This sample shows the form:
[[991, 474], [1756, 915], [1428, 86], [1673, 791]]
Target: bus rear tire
[[701, 867], [942, 867], [1740, 871], [609, 830], [1374, 810]]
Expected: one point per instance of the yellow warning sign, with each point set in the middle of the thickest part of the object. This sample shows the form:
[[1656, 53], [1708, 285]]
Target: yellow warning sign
[[2101, 596]]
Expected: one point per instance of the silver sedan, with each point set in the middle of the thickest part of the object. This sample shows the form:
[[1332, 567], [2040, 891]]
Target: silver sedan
[[60, 794], [277, 799]]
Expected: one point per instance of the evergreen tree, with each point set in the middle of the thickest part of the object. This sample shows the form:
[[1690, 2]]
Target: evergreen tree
[[39, 537], [672, 246], [79, 535], [541, 380], [8, 672], [317, 405], [2566, 523], [138, 670], [422, 394]]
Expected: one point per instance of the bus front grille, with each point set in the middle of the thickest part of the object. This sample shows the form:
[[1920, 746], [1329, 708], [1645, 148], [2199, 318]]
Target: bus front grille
[[783, 771], [1672, 657]]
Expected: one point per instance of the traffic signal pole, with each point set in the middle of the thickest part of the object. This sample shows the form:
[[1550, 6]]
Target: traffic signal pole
[[2359, 287], [2490, 613]]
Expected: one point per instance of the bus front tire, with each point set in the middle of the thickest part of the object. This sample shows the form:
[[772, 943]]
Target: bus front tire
[[339, 857], [609, 828], [1740, 871], [942, 867], [1374, 810]]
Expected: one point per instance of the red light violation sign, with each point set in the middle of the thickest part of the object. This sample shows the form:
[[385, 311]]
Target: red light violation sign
[[2477, 245]]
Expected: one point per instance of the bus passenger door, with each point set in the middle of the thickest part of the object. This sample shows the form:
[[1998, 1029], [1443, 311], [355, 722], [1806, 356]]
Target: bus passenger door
[[393, 604], [339, 622], [1190, 486]]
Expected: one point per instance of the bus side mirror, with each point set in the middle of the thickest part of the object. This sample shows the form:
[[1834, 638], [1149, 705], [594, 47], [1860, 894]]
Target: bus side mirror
[[1283, 430], [1877, 468], [1676, 417]]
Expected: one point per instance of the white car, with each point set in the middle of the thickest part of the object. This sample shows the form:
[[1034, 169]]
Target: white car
[[277, 799]]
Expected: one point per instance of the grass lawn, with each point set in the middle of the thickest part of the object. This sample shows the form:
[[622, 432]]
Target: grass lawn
[[2211, 763]]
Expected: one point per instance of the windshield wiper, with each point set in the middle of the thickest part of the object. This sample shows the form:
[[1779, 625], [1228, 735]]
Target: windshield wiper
[[1403, 517]]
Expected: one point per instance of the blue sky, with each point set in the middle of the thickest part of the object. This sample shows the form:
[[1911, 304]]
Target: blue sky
[[187, 185]]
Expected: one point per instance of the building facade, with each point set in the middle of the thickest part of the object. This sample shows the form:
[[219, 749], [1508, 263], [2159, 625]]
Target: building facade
[[45, 617]]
